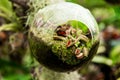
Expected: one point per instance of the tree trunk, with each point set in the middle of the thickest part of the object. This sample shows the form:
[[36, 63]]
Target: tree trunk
[[46, 74]]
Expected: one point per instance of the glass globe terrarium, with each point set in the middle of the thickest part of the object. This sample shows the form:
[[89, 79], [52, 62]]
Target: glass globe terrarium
[[64, 36]]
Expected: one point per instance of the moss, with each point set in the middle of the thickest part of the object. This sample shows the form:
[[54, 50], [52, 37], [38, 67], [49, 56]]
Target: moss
[[65, 54]]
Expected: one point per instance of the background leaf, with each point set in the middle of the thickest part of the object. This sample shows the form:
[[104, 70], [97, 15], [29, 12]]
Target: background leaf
[[115, 54], [6, 7]]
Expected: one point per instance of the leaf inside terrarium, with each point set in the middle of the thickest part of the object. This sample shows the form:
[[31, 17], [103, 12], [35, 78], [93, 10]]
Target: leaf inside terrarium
[[78, 24]]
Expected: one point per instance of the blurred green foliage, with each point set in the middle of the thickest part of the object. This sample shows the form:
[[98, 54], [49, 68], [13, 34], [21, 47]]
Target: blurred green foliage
[[106, 14], [6, 8], [115, 55], [6, 11]]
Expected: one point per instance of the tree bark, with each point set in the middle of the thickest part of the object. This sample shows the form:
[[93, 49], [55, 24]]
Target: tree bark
[[46, 74]]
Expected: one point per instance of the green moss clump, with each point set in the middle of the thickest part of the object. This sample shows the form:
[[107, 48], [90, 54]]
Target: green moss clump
[[67, 55]]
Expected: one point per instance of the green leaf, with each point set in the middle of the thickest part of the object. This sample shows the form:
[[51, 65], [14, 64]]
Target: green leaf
[[74, 1], [17, 77], [102, 60], [78, 24], [4, 16], [6, 7], [9, 27], [6, 4], [115, 54], [117, 11], [6, 64]]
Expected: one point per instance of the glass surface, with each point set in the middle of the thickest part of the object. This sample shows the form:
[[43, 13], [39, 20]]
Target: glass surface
[[64, 36]]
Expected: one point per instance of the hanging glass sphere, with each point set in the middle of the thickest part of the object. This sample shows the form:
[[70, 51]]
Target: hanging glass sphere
[[64, 36]]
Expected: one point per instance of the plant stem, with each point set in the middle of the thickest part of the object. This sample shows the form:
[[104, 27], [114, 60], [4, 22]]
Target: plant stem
[[11, 26], [4, 16]]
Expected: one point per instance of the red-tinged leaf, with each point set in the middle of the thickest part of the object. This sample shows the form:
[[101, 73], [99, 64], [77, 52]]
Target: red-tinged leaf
[[68, 43], [80, 56], [77, 51]]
